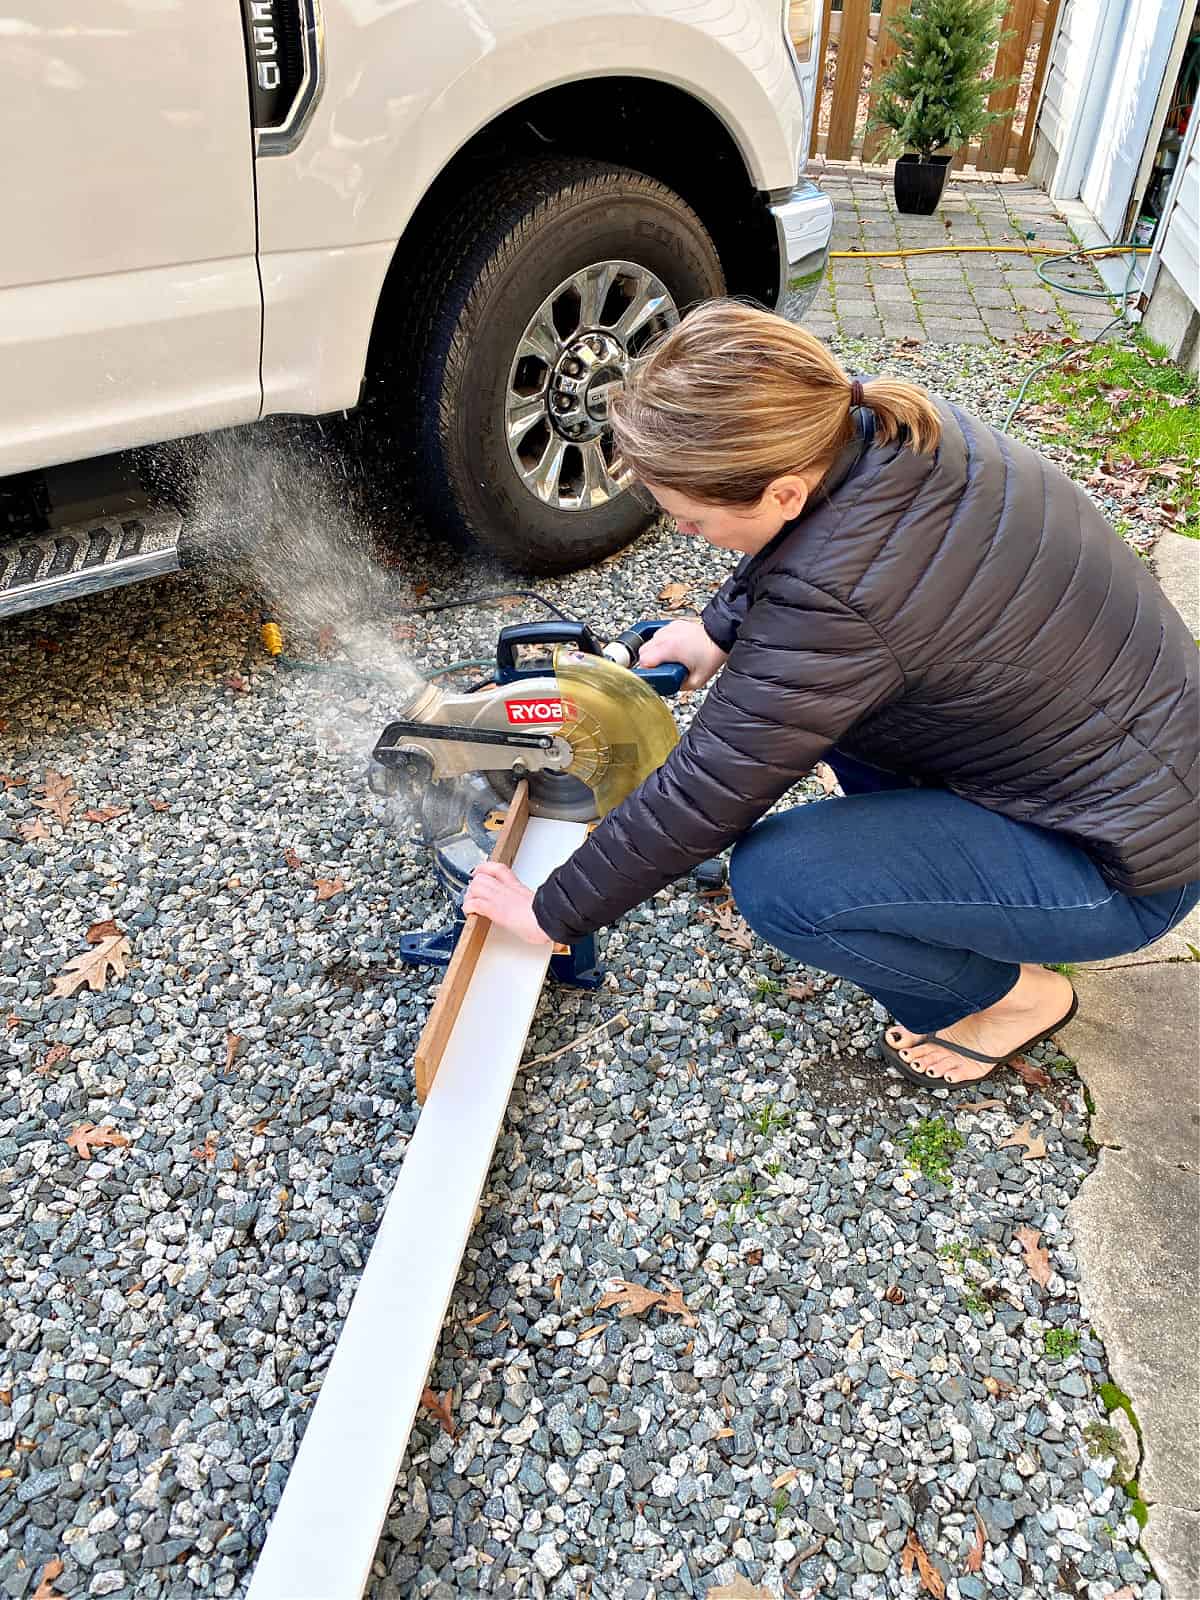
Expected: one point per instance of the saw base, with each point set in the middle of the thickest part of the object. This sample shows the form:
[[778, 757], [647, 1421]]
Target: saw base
[[575, 966]]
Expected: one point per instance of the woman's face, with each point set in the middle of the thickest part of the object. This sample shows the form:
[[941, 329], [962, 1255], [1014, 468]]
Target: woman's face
[[743, 528]]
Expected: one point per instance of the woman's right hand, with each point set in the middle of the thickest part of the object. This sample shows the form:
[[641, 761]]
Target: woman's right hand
[[686, 642]]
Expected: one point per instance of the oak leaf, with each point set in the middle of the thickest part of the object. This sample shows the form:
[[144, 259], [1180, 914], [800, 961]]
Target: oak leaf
[[12, 783], [159, 805], [291, 859], [61, 798], [206, 1151], [673, 595], [87, 1137], [1034, 1145], [730, 927], [327, 887], [982, 1105], [673, 1303], [102, 930], [801, 991], [33, 832], [105, 813], [232, 1040], [92, 967], [1037, 1260], [1029, 1072], [635, 1299], [45, 1589], [931, 1578], [440, 1407], [975, 1553]]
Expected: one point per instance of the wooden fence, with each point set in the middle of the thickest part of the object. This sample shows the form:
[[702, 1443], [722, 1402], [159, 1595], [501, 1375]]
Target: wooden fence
[[857, 48]]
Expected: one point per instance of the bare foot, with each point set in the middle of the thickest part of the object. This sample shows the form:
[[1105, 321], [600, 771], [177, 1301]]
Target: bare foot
[[1036, 1001]]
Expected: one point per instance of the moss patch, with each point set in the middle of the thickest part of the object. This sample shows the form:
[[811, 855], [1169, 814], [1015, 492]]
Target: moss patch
[[930, 1145]]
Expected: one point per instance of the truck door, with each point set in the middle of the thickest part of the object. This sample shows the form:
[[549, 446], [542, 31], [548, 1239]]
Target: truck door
[[130, 308]]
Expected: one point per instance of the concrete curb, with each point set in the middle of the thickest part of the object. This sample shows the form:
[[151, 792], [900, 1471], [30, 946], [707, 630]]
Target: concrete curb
[[1137, 1218]]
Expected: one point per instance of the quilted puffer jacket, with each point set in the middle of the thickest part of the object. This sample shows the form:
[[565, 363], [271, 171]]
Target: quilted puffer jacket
[[967, 618]]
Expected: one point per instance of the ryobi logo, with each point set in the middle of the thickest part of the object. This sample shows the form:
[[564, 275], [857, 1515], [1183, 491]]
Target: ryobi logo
[[525, 712]]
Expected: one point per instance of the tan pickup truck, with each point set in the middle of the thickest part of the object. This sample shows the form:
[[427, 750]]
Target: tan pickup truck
[[472, 212]]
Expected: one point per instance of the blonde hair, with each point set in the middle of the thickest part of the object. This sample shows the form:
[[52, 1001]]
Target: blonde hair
[[734, 397]]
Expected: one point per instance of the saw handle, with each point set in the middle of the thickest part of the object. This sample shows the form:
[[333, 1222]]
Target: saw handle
[[576, 634], [668, 677]]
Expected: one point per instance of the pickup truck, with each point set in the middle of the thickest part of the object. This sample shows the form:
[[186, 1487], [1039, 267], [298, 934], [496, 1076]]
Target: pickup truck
[[466, 216]]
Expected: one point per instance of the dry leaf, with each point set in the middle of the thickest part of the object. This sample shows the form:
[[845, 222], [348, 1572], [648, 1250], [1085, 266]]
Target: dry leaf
[[61, 798], [631, 1299], [982, 1105], [440, 1409], [673, 595], [206, 1151], [724, 1433], [420, 590], [45, 1590], [673, 1303], [327, 887], [1035, 1147], [235, 681], [232, 1040], [105, 813], [801, 991], [87, 1136], [998, 1387], [895, 1294], [1029, 1072], [975, 1554], [33, 832], [159, 805], [291, 859], [92, 967], [1037, 1261], [754, 1258], [742, 1589], [55, 1054], [12, 783], [1125, 1592], [931, 1578], [730, 927], [101, 930], [788, 1475], [327, 641], [590, 1333]]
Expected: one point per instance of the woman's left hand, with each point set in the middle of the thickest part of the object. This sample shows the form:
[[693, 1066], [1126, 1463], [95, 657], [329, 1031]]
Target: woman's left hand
[[495, 892]]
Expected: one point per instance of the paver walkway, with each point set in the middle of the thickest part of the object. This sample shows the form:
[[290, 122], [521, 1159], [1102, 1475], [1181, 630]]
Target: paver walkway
[[967, 299]]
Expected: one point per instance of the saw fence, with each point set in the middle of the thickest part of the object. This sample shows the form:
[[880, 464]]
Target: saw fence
[[323, 1536]]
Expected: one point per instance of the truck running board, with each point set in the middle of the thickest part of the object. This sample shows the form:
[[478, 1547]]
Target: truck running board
[[40, 569]]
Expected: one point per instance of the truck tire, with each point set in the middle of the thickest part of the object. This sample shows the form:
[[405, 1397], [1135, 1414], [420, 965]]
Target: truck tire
[[552, 277]]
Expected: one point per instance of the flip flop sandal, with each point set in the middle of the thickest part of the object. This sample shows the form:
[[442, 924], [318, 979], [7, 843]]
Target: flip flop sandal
[[914, 1075]]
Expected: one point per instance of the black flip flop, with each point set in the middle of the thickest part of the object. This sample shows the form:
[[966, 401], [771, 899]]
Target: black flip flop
[[892, 1055]]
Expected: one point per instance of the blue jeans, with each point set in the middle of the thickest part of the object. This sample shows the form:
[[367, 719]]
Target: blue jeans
[[928, 901]]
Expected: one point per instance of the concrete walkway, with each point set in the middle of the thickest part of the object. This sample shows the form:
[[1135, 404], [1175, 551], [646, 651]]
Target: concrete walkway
[[947, 299], [1137, 1218]]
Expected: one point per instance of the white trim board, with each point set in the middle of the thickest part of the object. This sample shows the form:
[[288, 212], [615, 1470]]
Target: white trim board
[[323, 1535]]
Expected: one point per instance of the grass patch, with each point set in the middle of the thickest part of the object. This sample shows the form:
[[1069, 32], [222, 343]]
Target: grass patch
[[1129, 400], [931, 1145], [1060, 1343], [767, 1119]]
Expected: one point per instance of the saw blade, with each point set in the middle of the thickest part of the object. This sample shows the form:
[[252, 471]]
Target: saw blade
[[618, 729]]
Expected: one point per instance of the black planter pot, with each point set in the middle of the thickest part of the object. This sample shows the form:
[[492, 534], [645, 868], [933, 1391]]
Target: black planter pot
[[919, 183]]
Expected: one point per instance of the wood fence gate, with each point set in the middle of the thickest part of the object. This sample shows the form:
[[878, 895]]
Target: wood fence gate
[[857, 48]]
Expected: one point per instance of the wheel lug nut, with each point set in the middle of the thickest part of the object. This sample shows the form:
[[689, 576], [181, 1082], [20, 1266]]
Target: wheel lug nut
[[572, 367]]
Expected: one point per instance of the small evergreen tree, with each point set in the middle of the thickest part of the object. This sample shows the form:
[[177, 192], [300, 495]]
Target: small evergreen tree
[[934, 96]]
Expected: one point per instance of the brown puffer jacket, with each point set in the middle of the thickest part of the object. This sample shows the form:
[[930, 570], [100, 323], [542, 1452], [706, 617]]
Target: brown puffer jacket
[[967, 618]]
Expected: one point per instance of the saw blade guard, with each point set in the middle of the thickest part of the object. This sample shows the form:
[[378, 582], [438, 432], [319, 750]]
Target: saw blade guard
[[618, 729]]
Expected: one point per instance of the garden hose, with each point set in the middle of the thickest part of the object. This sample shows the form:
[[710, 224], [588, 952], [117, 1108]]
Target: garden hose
[[989, 250]]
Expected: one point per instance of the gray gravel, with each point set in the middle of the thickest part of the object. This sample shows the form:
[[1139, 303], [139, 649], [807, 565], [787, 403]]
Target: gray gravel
[[868, 1356]]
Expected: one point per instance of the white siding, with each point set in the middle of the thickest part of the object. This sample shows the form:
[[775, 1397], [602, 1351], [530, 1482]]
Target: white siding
[[1181, 240], [1068, 68]]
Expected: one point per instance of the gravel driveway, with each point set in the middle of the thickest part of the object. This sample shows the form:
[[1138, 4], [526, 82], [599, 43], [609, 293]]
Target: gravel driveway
[[864, 1368]]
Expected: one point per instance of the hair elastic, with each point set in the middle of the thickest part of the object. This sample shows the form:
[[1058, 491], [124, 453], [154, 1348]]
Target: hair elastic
[[856, 392]]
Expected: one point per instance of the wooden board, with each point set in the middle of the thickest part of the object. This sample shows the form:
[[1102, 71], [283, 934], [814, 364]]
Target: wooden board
[[885, 54], [1045, 49], [852, 49], [993, 148], [449, 998], [323, 1536], [819, 78]]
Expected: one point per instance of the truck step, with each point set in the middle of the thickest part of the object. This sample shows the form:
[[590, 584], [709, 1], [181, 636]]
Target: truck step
[[101, 553]]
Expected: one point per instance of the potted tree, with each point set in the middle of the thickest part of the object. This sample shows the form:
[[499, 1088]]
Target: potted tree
[[933, 99]]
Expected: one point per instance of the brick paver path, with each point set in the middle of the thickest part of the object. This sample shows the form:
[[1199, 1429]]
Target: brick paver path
[[969, 299]]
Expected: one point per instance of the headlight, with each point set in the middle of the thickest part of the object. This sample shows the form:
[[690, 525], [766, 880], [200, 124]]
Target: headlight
[[800, 26]]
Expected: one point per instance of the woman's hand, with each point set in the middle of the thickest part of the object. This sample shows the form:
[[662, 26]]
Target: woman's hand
[[495, 892], [686, 642]]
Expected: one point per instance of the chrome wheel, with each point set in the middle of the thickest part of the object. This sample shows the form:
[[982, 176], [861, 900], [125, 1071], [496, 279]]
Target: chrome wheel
[[574, 353]]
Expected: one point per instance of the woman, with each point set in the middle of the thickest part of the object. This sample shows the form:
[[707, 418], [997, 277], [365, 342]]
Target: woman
[[1008, 701]]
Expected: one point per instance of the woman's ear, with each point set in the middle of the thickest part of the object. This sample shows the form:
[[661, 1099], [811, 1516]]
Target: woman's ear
[[788, 495]]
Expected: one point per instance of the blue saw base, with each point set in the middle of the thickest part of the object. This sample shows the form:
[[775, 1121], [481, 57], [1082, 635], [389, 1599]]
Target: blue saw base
[[577, 967]]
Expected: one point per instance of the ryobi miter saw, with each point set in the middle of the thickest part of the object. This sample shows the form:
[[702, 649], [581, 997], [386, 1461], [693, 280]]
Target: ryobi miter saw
[[575, 717]]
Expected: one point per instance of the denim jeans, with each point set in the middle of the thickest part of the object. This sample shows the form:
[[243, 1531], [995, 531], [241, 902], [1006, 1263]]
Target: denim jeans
[[928, 901]]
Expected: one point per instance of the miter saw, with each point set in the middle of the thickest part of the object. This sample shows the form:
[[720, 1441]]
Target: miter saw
[[574, 716]]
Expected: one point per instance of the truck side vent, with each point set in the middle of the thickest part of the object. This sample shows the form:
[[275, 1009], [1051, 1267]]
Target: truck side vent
[[283, 54]]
